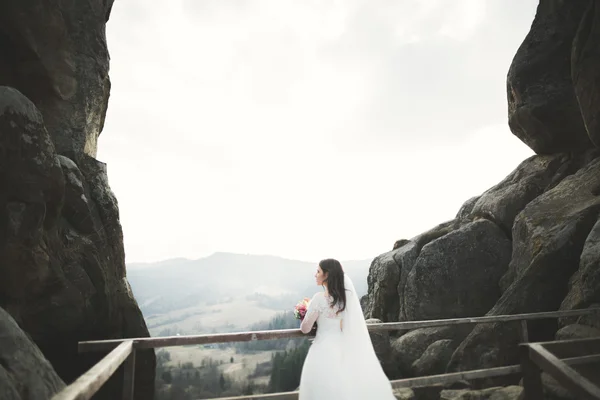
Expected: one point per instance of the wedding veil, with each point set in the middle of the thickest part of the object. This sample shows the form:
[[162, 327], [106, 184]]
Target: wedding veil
[[366, 379]]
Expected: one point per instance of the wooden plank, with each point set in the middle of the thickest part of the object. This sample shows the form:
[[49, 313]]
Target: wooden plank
[[129, 376], [91, 381], [270, 396], [168, 341], [456, 376], [572, 347], [432, 379], [524, 332], [532, 376], [595, 358], [565, 375], [481, 320], [411, 382]]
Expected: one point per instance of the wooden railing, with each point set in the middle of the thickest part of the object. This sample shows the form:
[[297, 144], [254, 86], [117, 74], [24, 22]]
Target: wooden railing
[[546, 357], [444, 379], [123, 351], [90, 382]]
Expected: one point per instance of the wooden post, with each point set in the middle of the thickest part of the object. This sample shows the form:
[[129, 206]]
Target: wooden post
[[154, 342], [532, 376], [129, 376], [566, 376], [524, 332], [90, 382]]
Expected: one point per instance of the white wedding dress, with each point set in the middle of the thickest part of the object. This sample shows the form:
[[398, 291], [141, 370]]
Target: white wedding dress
[[341, 363]]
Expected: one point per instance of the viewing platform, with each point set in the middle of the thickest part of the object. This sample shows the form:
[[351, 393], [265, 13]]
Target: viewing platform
[[556, 358]]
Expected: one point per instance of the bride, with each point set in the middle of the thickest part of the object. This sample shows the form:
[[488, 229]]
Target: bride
[[341, 363]]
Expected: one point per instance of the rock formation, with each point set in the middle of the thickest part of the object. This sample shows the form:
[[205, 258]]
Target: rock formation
[[530, 243], [62, 263]]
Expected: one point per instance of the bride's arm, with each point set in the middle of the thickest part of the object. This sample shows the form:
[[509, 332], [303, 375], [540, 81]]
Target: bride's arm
[[311, 315], [309, 321]]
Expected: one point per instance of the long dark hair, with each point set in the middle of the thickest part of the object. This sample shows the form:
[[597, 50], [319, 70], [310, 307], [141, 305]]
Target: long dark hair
[[335, 282]]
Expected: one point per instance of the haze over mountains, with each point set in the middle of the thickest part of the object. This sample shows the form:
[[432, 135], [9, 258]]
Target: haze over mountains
[[225, 289]]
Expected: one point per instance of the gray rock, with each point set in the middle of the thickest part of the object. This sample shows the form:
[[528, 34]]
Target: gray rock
[[548, 237], [382, 282], [592, 320], [76, 209], [577, 331], [584, 286], [457, 275], [435, 358], [383, 349], [407, 256], [494, 393], [531, 178], [428, 392], [467, 207], [507, 393], [549, 221], [62, 261], [386, 279], [393, 268], [33, 194], [25, 374], [57, 57], [585, 74], [364, 304], [543, 110], [404, 394], [400, 243], [554, 390], [408, 348]]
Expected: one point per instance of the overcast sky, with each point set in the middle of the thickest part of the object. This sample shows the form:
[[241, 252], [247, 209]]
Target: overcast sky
[[308, 128]]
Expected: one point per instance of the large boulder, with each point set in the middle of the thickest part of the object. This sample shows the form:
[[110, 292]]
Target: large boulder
[[32, 197], [493, 393], [383, 349], [539, 228], [404, 394], [55, 53], [62, 261], [592, 319], [577, 331], [382, 301], [585, 58], [584, 287], [410, 347], [504, 201], [543, 110], [457, 275], [25, 374], [407, 256], [435, 358], [389, 271], [549, 235]]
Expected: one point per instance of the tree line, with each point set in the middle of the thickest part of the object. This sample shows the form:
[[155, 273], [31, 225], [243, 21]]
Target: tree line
[[185, 381]]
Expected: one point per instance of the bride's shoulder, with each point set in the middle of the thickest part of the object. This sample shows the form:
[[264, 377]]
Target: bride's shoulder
[[318, 295]]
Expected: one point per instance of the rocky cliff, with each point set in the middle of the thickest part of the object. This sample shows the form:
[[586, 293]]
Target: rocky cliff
[[532, 242], [62, 262]]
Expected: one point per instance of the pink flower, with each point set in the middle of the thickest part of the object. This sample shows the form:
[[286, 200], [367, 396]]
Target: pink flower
[[301, 308]]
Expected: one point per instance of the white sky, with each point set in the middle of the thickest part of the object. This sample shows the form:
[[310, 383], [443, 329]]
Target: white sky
[[306, 128]]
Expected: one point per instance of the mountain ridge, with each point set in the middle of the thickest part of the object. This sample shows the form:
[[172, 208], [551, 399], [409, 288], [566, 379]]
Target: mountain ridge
[[275, 282]]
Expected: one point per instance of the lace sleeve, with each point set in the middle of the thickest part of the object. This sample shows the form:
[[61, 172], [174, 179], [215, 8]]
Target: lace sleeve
[[315, 308]]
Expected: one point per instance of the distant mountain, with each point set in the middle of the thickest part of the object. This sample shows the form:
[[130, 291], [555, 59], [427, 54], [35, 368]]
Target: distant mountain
[[274, 282]]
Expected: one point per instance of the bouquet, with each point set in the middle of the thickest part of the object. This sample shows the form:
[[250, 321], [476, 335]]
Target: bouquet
[[300, 312], [300, 309]]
